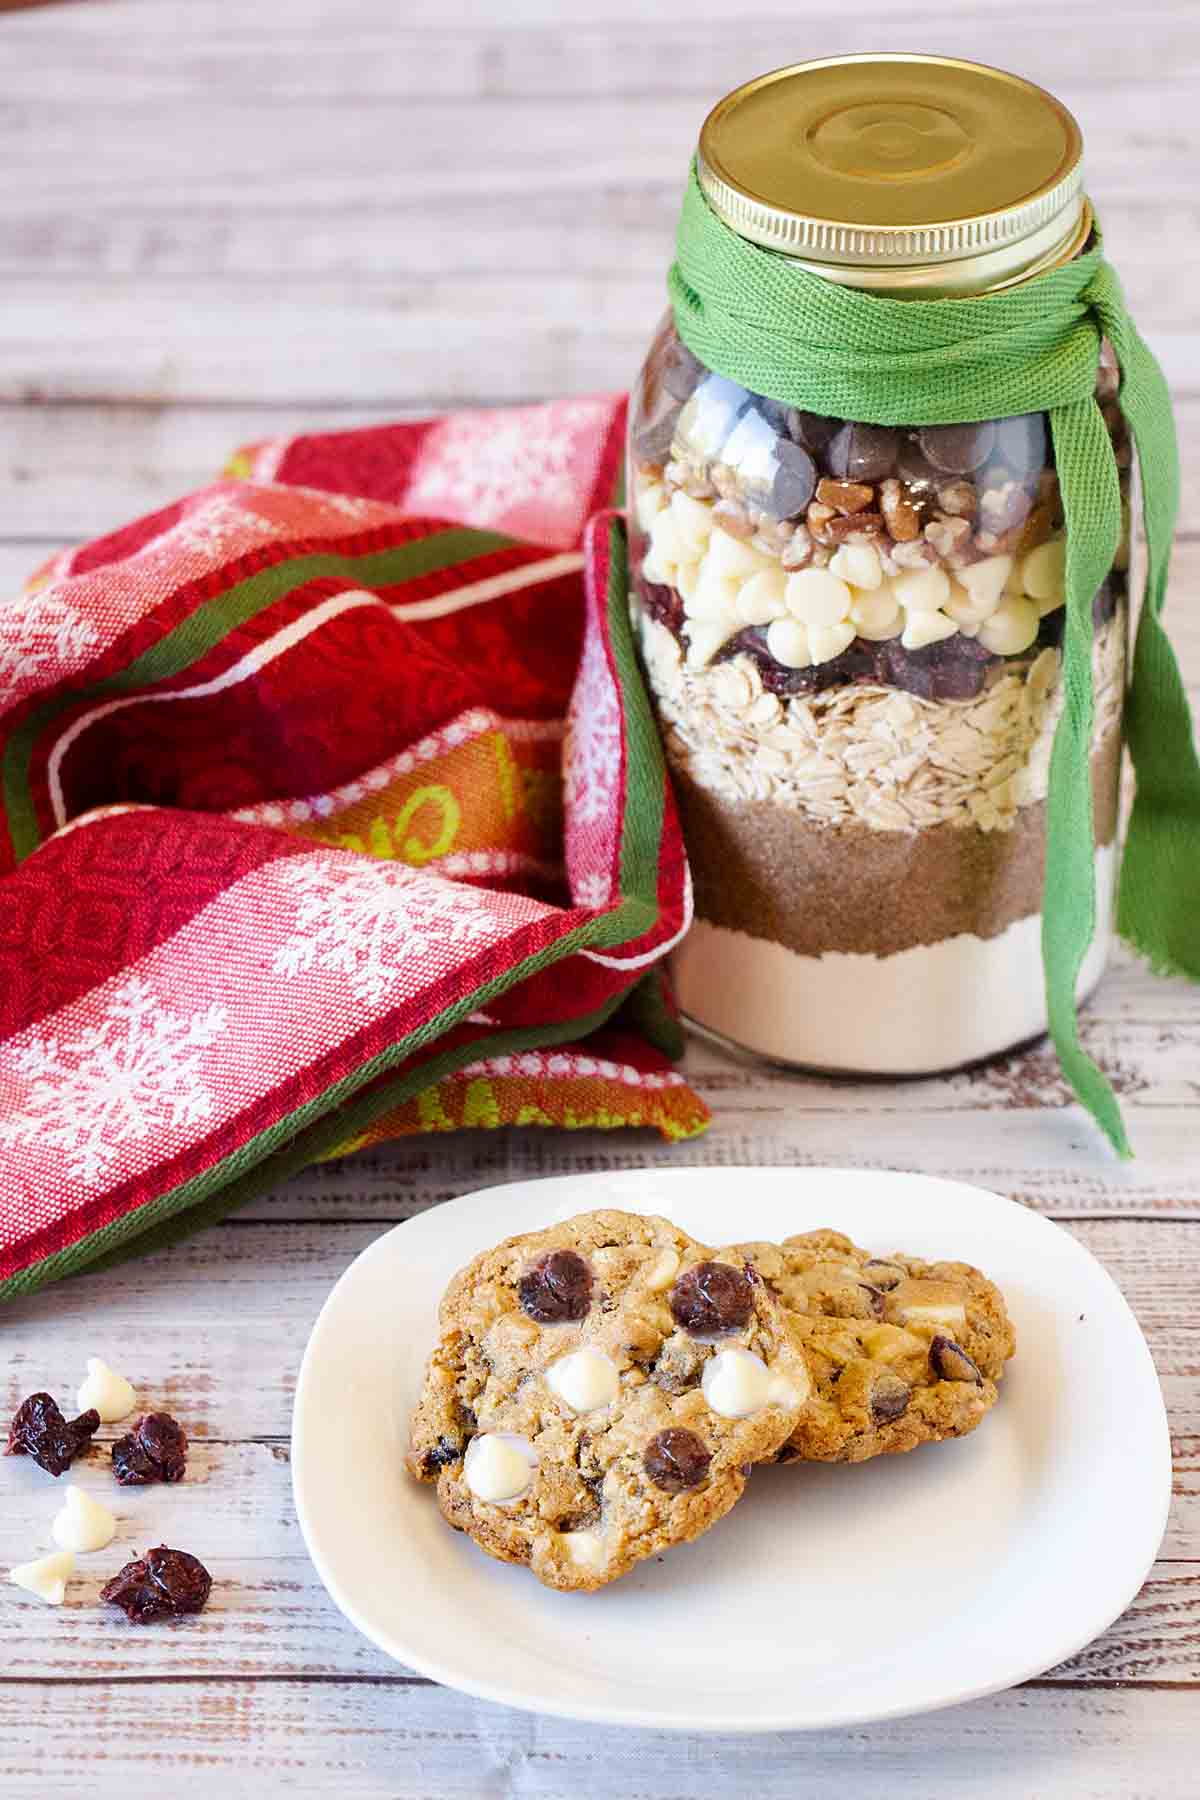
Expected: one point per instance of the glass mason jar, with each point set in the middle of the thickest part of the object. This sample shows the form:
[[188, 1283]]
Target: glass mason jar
[[852, 637]]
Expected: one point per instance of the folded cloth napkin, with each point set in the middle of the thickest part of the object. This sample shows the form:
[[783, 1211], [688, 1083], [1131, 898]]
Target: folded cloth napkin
[[332, 808]]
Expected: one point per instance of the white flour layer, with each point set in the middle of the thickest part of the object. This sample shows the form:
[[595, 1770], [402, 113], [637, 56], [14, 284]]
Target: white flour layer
[[933, 1007]]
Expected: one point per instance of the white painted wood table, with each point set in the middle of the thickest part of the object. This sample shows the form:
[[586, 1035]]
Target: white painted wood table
[[217, 223]]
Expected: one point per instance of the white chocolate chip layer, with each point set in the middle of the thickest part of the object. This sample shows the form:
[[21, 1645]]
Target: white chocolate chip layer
[[498, 1466], [736, 1383], [82, 1524], [107, 1392], [47, 1577], [585, 1380]]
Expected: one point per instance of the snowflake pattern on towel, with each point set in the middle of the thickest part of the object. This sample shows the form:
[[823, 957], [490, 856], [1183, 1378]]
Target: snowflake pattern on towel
[[137, 1071], [41, 638], [490, 467], [377, 925]]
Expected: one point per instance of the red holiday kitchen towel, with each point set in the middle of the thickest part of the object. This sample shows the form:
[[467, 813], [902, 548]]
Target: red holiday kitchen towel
[[332, 807]]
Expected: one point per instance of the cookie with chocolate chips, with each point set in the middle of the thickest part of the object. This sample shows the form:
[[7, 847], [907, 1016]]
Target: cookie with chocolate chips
[[902, 1352], [599, 1392]]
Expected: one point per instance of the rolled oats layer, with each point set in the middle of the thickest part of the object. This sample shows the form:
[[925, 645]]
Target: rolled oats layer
[[887, 759]]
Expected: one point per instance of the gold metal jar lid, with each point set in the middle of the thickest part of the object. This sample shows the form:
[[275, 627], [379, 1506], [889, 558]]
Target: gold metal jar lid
[[899, 172]]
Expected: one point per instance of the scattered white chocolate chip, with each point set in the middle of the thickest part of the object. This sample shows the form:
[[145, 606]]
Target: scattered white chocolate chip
[[587, 1548], [47, 1577], [1044, 571], [816, 597], [107, 1392], [82, 1524], [662, 1271], [787, 641], [921, 628], [1012, 627], [858, 564], [584, 1380], [736, 1383], [922, 590], [498, 1466]]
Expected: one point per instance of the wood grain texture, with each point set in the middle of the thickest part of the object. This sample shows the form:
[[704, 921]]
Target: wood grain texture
[[222, 224]]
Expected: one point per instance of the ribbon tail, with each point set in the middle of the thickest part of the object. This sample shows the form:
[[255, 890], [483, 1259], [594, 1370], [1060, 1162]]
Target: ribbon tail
[[1158, 907], [1092, 504]]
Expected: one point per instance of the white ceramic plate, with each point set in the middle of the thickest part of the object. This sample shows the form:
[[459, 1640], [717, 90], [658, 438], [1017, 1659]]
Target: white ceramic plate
[[830, 1595]]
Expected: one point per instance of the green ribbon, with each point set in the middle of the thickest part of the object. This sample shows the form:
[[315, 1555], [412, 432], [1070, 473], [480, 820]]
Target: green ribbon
[[779, 331]]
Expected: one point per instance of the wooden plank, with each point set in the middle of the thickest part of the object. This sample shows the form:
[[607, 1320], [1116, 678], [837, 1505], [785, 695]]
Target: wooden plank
[[408, 1743], [79, 470], [269, 1614], [214, 1329]]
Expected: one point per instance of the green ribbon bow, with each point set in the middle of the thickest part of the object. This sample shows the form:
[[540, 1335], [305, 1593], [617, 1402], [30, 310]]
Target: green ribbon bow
[[761, 321]]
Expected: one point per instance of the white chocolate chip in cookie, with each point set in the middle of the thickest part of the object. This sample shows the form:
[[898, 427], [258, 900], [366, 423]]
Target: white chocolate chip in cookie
[[499, 1466], [928, 1303], [662, 1271], [82, 1524], [587, 1548], [736, 1383], [107, 1392], [789, 1391], [584, 1380], [47, 1577]]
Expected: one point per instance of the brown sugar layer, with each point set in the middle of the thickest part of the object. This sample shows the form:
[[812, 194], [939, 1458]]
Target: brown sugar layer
[[764, 869]]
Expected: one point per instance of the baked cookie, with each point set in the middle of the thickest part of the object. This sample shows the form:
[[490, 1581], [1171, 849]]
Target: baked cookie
[[599, 1393], [901, 1352]]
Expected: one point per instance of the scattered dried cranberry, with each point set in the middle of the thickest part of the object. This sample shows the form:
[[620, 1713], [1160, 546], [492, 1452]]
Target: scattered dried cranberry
[[163, 1584], [676, 1460], [39, 1430], [155, 1450], [556, 1288], [712, 1297]]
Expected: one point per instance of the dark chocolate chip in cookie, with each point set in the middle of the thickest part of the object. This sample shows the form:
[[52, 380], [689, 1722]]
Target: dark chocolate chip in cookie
[[712, 1297], [557, 1288], [889, 1399], [676, 1460], [950, 1362]]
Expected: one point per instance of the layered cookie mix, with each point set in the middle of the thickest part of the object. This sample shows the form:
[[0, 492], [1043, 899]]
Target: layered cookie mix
[[599, 1393], [901, 1352], [853, 638]]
